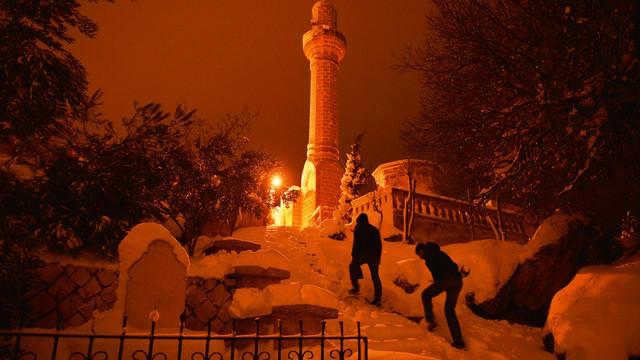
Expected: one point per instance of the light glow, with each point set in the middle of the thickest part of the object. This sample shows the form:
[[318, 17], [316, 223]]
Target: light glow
[[276, 182]]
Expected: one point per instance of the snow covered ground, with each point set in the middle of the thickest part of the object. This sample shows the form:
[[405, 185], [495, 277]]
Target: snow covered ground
[[323, 262], [597, 316], [606, 307]]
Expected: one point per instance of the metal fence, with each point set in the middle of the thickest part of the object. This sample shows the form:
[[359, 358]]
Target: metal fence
[[25, 345]]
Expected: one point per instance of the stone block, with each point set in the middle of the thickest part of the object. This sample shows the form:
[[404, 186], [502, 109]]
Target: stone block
[[255, 276], [219, 295], [49, 273], [109, 295], [278, 273], [106, 277], [80, 276], [90, 289], [69, 269], [37, 286], [69, 306], [76, 320], [258, 282], [192, 323], [62, 287], [194, 296], [48, 321], [40, 305], [86, 309], [205, 311], [209, 284], [101, 305], [223, 314], [304, 311], [217, 326], [230, 282]]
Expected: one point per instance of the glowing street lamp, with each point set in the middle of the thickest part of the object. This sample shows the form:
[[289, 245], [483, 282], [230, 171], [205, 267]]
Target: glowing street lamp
[[276, 182]]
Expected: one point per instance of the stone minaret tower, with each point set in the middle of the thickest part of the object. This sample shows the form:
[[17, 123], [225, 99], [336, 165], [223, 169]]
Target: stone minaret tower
[[324, 46]]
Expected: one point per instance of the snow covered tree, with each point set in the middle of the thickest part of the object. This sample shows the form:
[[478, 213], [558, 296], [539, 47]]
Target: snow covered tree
[[216, 177], [353, 179], [43, 85], [537, 99], [102, 182]]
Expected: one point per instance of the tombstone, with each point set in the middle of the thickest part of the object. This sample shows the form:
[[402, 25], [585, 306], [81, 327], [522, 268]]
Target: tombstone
[[153, 266]]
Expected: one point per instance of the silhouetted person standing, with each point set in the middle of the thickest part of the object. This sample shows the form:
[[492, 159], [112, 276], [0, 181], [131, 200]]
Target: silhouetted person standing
[[446, 278], [367, 249]]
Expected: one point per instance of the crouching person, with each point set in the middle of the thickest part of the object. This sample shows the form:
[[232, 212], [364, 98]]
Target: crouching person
[[446, 278]]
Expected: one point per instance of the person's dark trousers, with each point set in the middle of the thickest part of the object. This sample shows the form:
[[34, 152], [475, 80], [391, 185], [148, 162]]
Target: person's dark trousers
[[452, 285], [355, 272]]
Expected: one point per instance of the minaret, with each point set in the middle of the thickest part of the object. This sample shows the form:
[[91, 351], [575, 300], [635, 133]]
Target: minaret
[[324, 46]]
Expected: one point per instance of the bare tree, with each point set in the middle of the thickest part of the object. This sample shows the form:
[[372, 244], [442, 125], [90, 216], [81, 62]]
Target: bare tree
[[376, 203], [408, 211], [537, 99]]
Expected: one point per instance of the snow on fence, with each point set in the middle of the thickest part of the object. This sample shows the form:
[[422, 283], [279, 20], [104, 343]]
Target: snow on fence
[[22, 345]]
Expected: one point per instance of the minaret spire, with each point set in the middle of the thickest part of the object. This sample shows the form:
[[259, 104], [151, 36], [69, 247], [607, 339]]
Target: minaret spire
[[324, 46]]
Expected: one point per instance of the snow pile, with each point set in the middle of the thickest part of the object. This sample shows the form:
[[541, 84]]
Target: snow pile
[[137, 242], [490, 264], [550, 231], [213, 266], [316, 259], [264, 259], [331, 227], [250, 302], [218, 265], [597, 316]]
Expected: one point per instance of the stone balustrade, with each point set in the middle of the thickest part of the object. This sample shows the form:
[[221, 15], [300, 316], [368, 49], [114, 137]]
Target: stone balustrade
[[449, 218]]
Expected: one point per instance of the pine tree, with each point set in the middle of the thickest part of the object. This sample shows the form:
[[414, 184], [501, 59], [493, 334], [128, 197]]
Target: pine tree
[[353, 179]]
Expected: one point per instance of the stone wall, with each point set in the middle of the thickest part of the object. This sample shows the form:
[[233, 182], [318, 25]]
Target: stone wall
[[207, 301], [67, 295]]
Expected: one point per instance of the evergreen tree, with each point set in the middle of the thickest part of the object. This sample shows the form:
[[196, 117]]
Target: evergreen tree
[[353, 179], [42, 90], [43, 85]]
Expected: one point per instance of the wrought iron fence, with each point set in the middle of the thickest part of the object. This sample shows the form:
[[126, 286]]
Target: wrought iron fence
[[196, 346]]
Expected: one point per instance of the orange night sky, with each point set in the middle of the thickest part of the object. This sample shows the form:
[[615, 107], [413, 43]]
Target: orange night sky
[[218, 56]]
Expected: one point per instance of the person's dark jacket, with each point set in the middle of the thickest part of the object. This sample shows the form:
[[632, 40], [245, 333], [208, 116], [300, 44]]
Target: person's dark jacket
[[366, 238], [438, 262]]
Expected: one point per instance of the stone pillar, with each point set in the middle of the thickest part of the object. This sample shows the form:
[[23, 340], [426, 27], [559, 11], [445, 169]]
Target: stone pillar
[[324, 46]]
